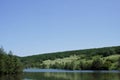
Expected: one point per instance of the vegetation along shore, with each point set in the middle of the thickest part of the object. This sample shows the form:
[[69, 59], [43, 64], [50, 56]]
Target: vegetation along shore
[[107, 58]]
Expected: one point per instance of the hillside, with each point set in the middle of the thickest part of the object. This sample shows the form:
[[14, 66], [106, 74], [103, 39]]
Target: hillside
[[98, 58]]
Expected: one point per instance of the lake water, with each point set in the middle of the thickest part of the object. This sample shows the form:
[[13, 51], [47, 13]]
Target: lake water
[[53, 74]]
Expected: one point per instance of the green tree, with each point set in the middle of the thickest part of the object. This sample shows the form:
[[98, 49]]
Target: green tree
[[97, 64], [2, 60], [9, 64], [118, 64], [18, 67], [106, 65], [82, 65]]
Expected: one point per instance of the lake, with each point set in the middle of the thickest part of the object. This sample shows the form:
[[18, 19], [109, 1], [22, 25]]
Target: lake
[[54, 74]]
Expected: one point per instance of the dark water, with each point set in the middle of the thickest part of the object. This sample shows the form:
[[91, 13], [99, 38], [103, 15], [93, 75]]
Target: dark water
[[63, 75], [11, 77]]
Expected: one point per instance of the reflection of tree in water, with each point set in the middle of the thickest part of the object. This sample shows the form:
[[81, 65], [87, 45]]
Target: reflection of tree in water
[[105, 76], [65, 76], [86, 76], [11, 77], [51, 76], [72, 76]]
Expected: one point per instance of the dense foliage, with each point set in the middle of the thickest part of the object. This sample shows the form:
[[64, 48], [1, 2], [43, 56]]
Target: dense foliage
[[107, 58], [9, 64]]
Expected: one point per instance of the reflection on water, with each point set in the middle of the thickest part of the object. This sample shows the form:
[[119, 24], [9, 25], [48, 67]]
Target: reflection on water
[[11, 77], [62, 76], [71, 76]]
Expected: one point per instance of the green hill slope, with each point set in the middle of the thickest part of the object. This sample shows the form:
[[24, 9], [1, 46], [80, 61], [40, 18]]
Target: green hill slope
[[98, 58]]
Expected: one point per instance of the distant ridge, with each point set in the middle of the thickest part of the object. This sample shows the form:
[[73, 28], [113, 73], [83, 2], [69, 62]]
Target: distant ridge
[[70, 51]]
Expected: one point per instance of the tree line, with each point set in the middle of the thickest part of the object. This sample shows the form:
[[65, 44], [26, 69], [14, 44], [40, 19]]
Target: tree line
[[93, 59], [9, 63], [96, 64], [88, 59]]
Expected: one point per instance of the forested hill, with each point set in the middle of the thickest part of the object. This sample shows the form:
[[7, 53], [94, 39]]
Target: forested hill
[[87, 56]]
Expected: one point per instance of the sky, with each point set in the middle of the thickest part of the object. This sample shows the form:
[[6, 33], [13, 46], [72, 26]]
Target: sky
[[29, 27]]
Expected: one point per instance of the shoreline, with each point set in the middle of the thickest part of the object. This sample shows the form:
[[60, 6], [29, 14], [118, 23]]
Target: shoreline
[[62, 70]]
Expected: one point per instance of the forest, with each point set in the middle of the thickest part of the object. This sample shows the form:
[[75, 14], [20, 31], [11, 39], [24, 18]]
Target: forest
[[9, 63], [106, 58]]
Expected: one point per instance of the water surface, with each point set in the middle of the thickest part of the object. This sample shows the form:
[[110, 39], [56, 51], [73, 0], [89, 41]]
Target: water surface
[[53, 74], [71, 76]]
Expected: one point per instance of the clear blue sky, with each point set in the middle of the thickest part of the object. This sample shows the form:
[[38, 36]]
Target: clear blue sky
[[29, 27]]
